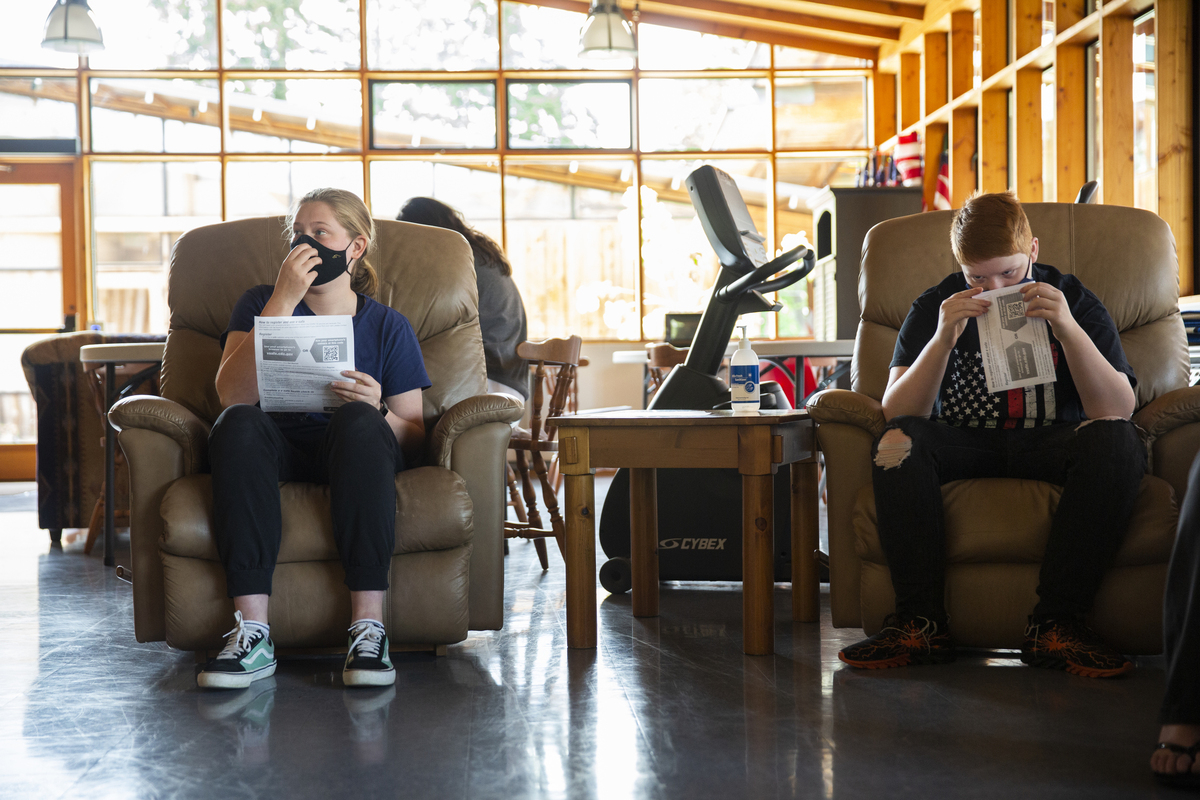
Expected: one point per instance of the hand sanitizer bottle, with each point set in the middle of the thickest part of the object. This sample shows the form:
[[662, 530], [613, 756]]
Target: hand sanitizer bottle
[[743, 378]]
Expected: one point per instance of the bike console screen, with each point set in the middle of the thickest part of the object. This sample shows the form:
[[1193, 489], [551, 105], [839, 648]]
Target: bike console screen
[[725, 219]]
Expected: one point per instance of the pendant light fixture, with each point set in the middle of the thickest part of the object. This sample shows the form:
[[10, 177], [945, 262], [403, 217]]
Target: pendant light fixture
[[606, 33], [72, 28]]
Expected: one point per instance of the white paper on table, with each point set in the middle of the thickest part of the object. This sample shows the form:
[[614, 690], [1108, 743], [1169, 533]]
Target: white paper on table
[[298, 357], [1016, 348]]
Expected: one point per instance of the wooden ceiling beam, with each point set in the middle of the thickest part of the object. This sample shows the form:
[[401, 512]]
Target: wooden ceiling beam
[[780, 17], [818, 44], [884, 7]]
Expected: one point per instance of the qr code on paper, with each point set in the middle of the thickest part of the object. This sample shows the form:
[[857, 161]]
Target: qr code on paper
[[329, 352]]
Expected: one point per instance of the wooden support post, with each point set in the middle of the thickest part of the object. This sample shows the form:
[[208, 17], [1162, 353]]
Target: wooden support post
[[1116, 65], [1027, 27], [963, 141], [885, 106], [643, 541], [936, 81], [1070, 120], [993, 36], [962, 51], [993, 141], [935, 140], [910, 89], [1029, 134], [758, 545], [1176, 96], [1067, 13], [580, 558]]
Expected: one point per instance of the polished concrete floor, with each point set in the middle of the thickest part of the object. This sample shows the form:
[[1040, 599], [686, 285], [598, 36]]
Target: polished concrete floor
[[664, 708]]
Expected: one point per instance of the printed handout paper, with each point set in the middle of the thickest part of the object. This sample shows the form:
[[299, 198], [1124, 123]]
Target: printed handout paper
[[298, 357]]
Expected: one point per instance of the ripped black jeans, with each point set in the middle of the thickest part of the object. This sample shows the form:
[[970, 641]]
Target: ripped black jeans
[[1098, 464]]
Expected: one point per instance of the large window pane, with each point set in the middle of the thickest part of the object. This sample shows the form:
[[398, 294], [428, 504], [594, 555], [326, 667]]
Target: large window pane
[[797, 181], [546, 38], [163, 34], [38, 108], [547, 114], [1049, 166], [794, 58], [472, 187], [672, 48], [820, 112], [294, 116], [679, 264], [1145, 138], [572, 241], [704, 114], [18, 413], [433, 115], [155, 116], [432, 34], [291, 34], [30, 256], [139, 209], [266, 188]]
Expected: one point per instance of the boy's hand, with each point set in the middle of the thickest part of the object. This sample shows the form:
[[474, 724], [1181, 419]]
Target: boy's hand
[[1044, 301], [955, 311]]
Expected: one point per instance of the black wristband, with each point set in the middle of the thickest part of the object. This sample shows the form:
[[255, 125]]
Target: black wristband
[[383, 409]]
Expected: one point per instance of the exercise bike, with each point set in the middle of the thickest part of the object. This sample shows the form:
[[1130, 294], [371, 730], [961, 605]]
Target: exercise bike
[[700, 510]]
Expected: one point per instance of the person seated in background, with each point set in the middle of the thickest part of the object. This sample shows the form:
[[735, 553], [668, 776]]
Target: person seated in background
[[944, 425], [1174, 760], [501, 312]]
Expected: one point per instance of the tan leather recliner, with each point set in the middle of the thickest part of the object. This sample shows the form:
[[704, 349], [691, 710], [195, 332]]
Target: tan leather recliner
[[996, 530], [447, 570]]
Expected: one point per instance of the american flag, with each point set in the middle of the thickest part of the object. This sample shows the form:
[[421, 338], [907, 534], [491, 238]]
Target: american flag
[[908, 158], [941, 197]]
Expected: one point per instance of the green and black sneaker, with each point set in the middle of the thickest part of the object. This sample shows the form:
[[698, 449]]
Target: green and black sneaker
[[904, 639], [368, 663], [249, 655]]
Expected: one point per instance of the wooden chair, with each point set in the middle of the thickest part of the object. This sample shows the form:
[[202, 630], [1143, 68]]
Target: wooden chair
[[555, 362], [660, 358]]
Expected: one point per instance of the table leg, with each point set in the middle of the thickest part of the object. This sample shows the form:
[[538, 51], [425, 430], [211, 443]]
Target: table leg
[[643, 540], [580, 558], [110, 470], [806, 589], [758, 567]]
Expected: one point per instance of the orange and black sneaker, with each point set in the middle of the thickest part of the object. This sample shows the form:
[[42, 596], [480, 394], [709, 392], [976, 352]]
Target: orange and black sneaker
[[1071, 645], [905, 639]]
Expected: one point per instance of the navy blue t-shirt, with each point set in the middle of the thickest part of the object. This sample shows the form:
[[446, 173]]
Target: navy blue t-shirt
[[964, 400], [385, 346]]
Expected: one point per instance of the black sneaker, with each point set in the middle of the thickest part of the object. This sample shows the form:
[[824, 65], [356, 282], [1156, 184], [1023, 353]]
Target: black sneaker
[[905, 639], [1071, 645], [249, 655], [368, 663]]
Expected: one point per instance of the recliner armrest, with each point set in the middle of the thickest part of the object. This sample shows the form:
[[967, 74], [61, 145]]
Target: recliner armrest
[[472, 412], [1167, 412], [847, 407], [146, 412]]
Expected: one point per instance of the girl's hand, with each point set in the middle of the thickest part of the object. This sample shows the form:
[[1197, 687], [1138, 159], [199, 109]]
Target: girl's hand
[[361, 387], [955, 311], [1043, 300], [296, 275]]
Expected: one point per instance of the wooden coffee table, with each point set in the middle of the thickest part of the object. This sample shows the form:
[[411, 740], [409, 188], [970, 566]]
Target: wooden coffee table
[[756, 446]]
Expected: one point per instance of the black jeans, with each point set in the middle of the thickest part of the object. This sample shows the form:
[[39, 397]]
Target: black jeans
[[356, 455], [1099, 464], [1181, 614]]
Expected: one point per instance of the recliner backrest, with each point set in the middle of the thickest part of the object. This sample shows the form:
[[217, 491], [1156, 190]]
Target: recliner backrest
[[1125, 255], [425, 273]]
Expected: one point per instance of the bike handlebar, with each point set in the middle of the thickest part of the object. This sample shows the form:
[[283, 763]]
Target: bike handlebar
[[747, 282]]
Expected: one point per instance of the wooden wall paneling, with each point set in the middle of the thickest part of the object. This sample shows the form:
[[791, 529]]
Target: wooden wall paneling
[[1067, 13], [1176, 138], [935, 67], [993, 36], [962, 47], [964, 141], [993, 141], [1027, 26], [935, 140], [884, 99], [1070, 120], [1028, 86], [910, 89], [1116, 109]]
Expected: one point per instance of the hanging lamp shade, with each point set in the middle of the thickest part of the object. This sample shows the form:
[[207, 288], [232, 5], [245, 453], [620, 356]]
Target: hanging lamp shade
[[72, 28], [606, 33]]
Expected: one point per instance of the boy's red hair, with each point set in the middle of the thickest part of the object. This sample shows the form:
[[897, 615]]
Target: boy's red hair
[[990, 226]]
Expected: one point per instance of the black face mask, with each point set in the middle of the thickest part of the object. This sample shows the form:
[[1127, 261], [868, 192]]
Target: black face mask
[[333, 262]]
